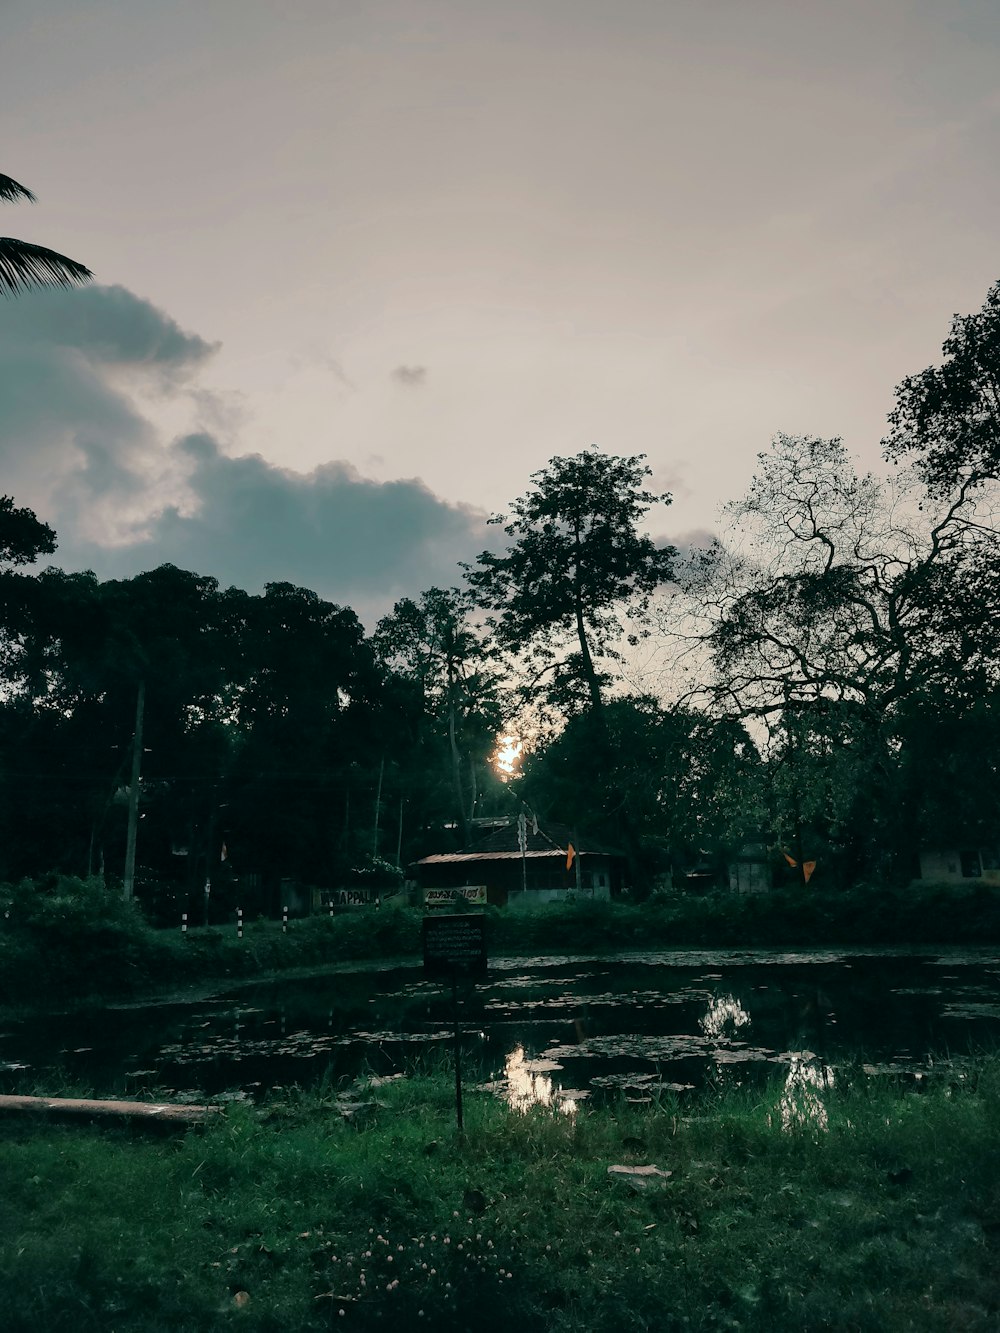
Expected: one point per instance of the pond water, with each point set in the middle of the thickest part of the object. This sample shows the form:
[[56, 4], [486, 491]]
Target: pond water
[[553, 1030]]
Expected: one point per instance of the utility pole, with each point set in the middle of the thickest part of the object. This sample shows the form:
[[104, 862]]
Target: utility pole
[[133, 794]]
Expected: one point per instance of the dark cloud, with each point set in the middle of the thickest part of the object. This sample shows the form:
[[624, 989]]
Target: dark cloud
[[107, 326], [412, 377], [78, 445], [356, 541]]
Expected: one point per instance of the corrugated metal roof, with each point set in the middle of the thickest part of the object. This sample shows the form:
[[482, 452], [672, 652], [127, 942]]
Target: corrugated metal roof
[[441, 857]]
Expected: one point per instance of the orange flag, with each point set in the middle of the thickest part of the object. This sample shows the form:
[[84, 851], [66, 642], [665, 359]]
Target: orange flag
[[790, 859], [807, 868], [570, 856]]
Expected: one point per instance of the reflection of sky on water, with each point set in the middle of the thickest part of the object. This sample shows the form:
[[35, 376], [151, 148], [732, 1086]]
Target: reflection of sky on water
[[725, 1015], [801, 1105], [529, 1083]]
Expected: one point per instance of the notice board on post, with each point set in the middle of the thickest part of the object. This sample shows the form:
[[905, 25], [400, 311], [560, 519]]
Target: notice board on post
[[455, 945]]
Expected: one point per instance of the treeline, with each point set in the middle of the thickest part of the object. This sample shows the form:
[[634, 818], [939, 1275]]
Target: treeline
[[821, 682]]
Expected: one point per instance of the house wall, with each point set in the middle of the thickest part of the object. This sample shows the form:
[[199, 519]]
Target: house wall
[[750, 876], [954, 865], [527, 899]]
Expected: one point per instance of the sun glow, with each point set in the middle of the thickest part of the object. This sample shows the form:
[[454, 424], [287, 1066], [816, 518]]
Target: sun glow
[[507, 755]]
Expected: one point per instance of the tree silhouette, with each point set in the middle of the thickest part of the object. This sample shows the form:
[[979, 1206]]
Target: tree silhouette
[[23, 265]]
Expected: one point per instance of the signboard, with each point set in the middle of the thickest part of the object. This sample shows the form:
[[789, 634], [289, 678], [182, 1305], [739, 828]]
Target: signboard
[[455, 945], [472, 893]]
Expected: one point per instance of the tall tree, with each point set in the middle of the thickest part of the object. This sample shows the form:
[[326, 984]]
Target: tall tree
[[24, 265], [431, 643], [578, 574], [839, 598], [575, 581]]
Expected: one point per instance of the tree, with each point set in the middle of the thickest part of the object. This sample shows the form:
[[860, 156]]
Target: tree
[[23, 265], [575, 581], [690, 782], [432, 645], [840, 599], [947, 417], [576, 570], [23, 536]]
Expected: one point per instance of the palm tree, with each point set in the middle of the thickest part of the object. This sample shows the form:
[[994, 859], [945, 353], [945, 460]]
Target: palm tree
[[24, 265]]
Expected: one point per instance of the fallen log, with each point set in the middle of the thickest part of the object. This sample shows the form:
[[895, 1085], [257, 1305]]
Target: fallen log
[[86, 1108]]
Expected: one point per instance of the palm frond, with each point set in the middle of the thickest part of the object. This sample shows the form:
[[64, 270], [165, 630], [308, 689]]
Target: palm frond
[[23, 265], [10, 190]]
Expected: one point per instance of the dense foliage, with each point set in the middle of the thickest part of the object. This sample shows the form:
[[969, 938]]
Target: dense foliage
[[842, 715]]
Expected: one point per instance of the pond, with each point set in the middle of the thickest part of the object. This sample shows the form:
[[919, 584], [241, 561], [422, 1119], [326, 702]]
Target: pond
[[554, 1030]]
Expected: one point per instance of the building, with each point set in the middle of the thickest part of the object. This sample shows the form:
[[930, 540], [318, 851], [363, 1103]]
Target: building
[[953, 865], [543, 872]]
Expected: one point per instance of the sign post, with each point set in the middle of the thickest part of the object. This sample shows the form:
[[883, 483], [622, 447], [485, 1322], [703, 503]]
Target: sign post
[[455, 947]]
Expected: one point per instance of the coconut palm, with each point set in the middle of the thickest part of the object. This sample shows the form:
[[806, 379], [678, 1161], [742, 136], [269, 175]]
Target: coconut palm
[[24, 265]]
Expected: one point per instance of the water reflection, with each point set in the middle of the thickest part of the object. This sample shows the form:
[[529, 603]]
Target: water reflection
[[529, 1083], [725, 1016], [801, 1105]]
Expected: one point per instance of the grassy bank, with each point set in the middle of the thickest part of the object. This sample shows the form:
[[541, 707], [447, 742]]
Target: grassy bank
[[290, 1219], [67, 939]]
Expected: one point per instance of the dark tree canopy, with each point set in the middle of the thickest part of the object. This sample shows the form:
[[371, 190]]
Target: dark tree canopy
[[576, 567], [23, 536], [947, 417]]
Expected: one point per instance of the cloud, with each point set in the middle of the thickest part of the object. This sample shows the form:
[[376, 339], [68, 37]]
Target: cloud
[[354, 540], [411, 377], [87, 381]]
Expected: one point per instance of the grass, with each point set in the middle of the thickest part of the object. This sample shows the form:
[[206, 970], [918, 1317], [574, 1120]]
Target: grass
[[63, 940], [288, 1218]]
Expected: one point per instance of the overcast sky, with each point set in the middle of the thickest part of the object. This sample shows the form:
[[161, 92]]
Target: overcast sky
[[365, 265]]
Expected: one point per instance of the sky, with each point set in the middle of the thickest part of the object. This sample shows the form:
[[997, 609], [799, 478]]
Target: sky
[[362, 266]]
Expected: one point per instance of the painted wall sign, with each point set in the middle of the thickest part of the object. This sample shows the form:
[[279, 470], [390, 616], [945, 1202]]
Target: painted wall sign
[[352, 897], [472, 893]]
